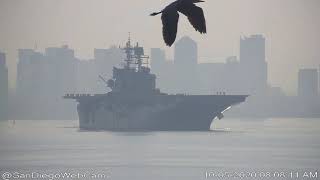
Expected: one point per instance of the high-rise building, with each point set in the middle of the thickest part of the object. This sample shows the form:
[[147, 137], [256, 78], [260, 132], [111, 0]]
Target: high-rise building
[[186, 52], [33, 85], [158, 60], [63, 70], [164, 70], [38, 75], [25, 72], [252, 49], [42, 80], [308, 83], [3, 87], [253, 64], [185, 66]]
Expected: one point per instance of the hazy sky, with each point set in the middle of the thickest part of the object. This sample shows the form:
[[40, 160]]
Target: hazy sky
[[291, 28]]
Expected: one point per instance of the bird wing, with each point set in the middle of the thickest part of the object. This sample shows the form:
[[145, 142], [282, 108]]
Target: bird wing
[[170, 18], [196, 18]]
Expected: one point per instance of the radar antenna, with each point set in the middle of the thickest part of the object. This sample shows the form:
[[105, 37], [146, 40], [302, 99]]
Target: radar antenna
[[109, 83], [103, 79]]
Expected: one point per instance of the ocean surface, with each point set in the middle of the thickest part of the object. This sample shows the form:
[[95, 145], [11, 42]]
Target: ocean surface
[[234, 149]]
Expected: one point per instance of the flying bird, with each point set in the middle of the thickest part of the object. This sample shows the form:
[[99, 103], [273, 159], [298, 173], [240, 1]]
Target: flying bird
[[170, 18]]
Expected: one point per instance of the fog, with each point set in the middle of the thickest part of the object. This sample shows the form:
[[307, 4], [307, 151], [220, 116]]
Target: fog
[[290, 26]]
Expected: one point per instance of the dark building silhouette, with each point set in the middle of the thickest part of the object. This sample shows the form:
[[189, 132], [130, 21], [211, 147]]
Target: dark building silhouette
[[232, 76], [163, 69], [308, 83], [63, 66], [25, 71], [42, 79], [221, 77], [3, 87], [254, 68], [158, 60], [179, 75], [245, 76], [210, 77], [158, 65], [32, 85], [186, 52], [185, 65]]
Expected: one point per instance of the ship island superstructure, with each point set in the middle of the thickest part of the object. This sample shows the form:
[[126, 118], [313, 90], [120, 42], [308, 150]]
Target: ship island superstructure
[[135, 104]]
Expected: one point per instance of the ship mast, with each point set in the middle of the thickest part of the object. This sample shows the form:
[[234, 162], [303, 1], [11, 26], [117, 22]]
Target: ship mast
[[128, 50], [135, 56]]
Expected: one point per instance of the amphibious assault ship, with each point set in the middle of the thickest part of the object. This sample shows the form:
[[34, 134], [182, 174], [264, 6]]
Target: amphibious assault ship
[[135, 104]]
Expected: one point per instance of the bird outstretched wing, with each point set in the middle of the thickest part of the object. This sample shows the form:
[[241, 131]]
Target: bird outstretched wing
[[170, 18], [196, 18]]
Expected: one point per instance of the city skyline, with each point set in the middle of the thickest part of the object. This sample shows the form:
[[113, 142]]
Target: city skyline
[[43, 78], [290, 26], [100, 89], [100, 54]]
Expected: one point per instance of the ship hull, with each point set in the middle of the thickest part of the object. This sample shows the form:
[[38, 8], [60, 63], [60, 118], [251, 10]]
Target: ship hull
[[160, 113], [135, 104]]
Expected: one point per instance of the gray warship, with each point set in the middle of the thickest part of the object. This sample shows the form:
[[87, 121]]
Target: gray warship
[[135, 104]]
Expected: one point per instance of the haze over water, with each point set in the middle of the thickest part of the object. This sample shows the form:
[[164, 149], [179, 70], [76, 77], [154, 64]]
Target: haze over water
[[234, 145]]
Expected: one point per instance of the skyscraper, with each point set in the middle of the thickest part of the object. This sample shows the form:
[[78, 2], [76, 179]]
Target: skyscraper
[[63, 70], [185, 65], [158, 60], [252, 49], [253, 64], [3, 87], [186, 52], [30, 73], [33, 85], [164, 70], [42, 80], [308, 83]]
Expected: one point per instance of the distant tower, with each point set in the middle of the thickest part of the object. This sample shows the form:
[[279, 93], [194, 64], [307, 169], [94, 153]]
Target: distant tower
[[253, 64], [63, 68], [23, 72], [252, 49], [185, 66], [308, 83], [186, 52], [158, 60], [42, 78], [3, 88]]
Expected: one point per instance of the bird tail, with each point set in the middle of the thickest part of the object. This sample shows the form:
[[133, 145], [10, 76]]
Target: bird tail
[[155, 13]]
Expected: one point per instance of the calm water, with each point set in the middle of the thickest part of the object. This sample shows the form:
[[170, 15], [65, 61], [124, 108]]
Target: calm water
[[236, 147]]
